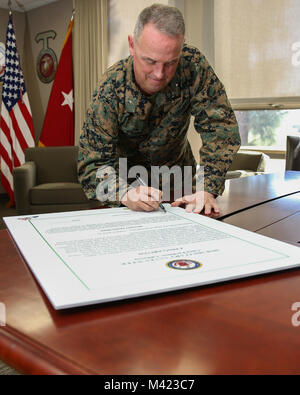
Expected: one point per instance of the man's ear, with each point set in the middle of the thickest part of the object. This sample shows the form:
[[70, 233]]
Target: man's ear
[[131, 45]]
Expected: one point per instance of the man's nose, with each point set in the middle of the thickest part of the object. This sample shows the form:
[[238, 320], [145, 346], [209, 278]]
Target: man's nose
[[158, 71]]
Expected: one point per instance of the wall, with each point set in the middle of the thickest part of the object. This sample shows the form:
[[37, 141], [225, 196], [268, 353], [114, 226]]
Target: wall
[[193, 15], [55, 16]]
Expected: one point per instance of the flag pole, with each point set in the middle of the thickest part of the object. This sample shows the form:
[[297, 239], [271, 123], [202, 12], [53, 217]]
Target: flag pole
[[70, 27], [9, 7]]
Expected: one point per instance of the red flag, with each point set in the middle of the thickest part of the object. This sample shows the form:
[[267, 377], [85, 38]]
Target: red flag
[[16, 127], [58, 127]]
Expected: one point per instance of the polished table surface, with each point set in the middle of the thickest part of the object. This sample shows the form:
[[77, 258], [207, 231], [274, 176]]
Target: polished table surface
[[287, 229], [237, 327], [276, 215], [243, 193], [279, 219]]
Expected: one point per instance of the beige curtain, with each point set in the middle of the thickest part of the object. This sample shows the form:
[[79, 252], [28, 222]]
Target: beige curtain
[[89, 53]]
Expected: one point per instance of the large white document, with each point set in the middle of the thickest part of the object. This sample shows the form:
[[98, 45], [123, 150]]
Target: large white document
[[95, 256]]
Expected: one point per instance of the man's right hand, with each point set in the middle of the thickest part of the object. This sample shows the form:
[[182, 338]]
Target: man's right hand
[[142, 198]]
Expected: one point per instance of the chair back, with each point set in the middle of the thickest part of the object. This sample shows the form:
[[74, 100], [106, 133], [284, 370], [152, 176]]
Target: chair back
[[292, 159], [54, 164], [249, 160]]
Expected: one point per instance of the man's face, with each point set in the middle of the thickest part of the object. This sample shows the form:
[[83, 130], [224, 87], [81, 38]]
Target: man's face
[[155, 58]]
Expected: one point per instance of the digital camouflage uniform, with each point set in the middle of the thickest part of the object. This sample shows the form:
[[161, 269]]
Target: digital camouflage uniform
[[123, 122]]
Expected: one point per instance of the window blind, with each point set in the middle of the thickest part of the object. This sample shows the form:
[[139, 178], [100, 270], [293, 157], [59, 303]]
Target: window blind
[[257, 50]]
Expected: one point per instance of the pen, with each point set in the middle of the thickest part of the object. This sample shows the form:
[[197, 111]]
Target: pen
[[143, 183]]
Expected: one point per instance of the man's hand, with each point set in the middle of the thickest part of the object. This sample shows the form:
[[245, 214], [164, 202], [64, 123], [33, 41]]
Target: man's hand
[[197, 201], [142, 198]]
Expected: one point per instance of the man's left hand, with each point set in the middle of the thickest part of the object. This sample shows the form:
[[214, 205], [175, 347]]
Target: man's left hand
[[197, 202]]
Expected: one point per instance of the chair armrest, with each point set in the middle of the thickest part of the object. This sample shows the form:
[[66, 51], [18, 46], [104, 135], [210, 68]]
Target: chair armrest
[[24, 178], [263, 163]]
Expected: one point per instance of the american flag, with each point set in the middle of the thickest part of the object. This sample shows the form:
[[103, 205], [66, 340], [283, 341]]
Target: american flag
[[16, 127]]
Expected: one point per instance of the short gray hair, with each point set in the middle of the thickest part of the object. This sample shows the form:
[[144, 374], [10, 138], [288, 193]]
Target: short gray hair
[[166, 19]]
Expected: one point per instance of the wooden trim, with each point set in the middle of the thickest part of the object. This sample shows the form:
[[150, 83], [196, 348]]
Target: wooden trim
[[29, 357], [268, 103], [265, 149]]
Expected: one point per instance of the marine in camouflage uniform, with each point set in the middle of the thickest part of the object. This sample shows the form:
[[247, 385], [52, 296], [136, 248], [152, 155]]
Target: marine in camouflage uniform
[[123, 122]]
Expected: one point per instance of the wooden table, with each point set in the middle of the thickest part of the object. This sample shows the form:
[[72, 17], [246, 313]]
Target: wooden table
[[238, 327], [267, 204], [279, 219], [243, 193]]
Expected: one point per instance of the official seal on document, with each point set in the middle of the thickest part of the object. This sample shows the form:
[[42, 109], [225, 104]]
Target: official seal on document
[[184, 264]]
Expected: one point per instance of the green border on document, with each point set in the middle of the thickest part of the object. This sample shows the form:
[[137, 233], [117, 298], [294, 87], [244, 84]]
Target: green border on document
[[58, 256]]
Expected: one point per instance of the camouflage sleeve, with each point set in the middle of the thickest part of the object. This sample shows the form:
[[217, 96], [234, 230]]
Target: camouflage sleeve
[[98, 159], [217, 125]]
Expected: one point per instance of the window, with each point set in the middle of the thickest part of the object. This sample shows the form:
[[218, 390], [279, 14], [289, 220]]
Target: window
[[268, 128], [257, 48], [266, 131], [257, 57], [254, 47]]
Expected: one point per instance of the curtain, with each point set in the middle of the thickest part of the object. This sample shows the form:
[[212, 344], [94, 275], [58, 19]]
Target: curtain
[[90, 53]]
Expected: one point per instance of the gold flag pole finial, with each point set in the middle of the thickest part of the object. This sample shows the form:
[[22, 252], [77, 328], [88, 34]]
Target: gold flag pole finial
[[9, 6]]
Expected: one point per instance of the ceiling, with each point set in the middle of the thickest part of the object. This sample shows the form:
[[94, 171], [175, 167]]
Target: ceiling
[[27, 4]]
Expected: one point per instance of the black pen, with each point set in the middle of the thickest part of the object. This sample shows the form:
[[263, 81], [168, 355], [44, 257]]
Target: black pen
[[143, 183]]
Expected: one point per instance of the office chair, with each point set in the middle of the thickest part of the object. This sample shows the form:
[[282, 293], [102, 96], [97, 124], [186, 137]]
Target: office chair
[[292, 159], [247, 163]]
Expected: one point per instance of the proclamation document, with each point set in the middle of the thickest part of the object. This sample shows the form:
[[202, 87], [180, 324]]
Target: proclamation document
[[96, 256]]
